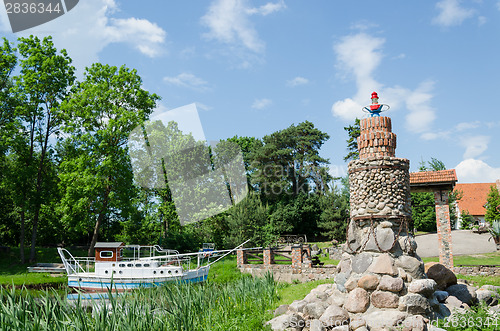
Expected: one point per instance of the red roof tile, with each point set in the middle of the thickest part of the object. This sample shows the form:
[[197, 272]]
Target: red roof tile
[[441, 176], [474, 197]]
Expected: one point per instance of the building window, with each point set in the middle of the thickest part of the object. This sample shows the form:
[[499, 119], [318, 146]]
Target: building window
[[106, 254]]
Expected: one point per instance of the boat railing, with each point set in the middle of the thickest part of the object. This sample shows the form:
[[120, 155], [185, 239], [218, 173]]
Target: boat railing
[[74, 264]]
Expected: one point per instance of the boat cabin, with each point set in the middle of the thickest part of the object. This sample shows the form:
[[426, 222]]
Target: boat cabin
[[109, 251]]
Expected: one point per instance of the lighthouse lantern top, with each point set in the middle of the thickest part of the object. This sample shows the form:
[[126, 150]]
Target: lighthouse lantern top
[[375, 108]]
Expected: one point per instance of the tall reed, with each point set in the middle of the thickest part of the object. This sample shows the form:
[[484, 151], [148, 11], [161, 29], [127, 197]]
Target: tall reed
[[238, 305]]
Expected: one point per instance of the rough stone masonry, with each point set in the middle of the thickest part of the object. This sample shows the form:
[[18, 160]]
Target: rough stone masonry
[[380, 273]]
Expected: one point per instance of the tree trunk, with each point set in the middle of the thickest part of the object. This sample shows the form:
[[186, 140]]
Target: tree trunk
[[39, 180], [98, 223], [21, 237]]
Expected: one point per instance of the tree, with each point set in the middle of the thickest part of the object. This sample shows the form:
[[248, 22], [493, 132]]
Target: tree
[[334, 216], [492, 205], [288, 162], [40, 88], [423, 205], [248, 220], [353, 132], [8, 127], [101, 113]]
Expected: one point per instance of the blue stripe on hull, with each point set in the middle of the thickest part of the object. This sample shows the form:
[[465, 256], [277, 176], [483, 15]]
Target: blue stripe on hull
[[106, 285]]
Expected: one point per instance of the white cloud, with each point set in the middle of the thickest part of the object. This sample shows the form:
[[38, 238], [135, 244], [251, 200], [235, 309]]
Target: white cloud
[[476, 171], [228, 22], [359, 55], [467, 125], [433, 135], [297, 81], [267, 9], [451, 13], [474, 146], [87, 29], [421, 113], [261, 103], [188, 80]]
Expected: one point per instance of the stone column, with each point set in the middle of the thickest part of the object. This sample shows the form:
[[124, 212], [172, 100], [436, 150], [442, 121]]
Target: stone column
[[241, 257], [296, 259], [443, 228], [268, 256]]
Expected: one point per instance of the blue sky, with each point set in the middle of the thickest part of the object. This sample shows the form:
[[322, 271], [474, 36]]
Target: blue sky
[[255, 67]]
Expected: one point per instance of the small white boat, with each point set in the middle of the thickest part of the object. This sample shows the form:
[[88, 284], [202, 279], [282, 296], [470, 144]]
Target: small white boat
[[119, 267]]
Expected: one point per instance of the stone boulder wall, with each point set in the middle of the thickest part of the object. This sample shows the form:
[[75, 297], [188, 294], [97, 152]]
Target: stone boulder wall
[[381, 301]]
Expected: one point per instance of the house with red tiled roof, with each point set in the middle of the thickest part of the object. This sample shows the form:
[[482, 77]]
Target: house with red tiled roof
[[473, 199]]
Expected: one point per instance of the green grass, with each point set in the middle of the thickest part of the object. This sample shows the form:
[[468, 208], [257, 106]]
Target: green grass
[[287, 293], [13, 272], [481, 280], [477, 259]]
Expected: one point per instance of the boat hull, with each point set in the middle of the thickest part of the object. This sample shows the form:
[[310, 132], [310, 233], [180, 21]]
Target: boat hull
[[94, 283]]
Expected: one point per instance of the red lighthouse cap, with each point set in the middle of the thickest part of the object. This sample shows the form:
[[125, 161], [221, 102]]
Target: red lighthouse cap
[[374, 95]]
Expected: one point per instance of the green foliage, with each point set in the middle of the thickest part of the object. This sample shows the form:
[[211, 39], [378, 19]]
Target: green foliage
[[288, 162], [476, 318], [334, 216], [423, 211], [248, 220], [495, 228], [97, 176], [241, 305], [466, 220], [492, 205], [353, 132]]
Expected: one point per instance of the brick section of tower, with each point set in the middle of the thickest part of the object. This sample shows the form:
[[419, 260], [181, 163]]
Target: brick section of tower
[[376, 138]]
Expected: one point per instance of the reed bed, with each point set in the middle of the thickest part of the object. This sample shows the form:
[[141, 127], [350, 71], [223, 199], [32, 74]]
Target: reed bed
[[239, 305]]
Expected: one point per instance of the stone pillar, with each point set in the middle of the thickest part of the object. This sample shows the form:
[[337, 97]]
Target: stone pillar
[[443, 228], [241, 257], [268, 256], [296, 259]]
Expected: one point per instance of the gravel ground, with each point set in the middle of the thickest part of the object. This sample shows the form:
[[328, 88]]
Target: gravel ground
[[464, 242]]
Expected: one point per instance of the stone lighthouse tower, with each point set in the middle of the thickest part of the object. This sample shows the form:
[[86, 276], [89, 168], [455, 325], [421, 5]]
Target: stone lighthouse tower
[[380, 272]]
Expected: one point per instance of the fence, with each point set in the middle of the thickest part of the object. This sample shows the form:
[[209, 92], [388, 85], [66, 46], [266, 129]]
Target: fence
[[288, 265]]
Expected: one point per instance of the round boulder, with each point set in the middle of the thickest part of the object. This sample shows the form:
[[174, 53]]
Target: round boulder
[[357, 301], [443, 276]]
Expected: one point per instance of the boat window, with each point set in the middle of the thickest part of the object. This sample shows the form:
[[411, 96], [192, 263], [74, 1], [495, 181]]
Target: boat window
[[161, 271], [106, 254], [138, 265], [170, 271], [121, 271], [154, 272], [176, 271], [146, 265], [130, 265], [122, 265], [113, 264], [105, 271]]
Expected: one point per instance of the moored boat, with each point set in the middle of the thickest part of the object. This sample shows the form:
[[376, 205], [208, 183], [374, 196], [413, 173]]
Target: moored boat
[[120, 267]]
